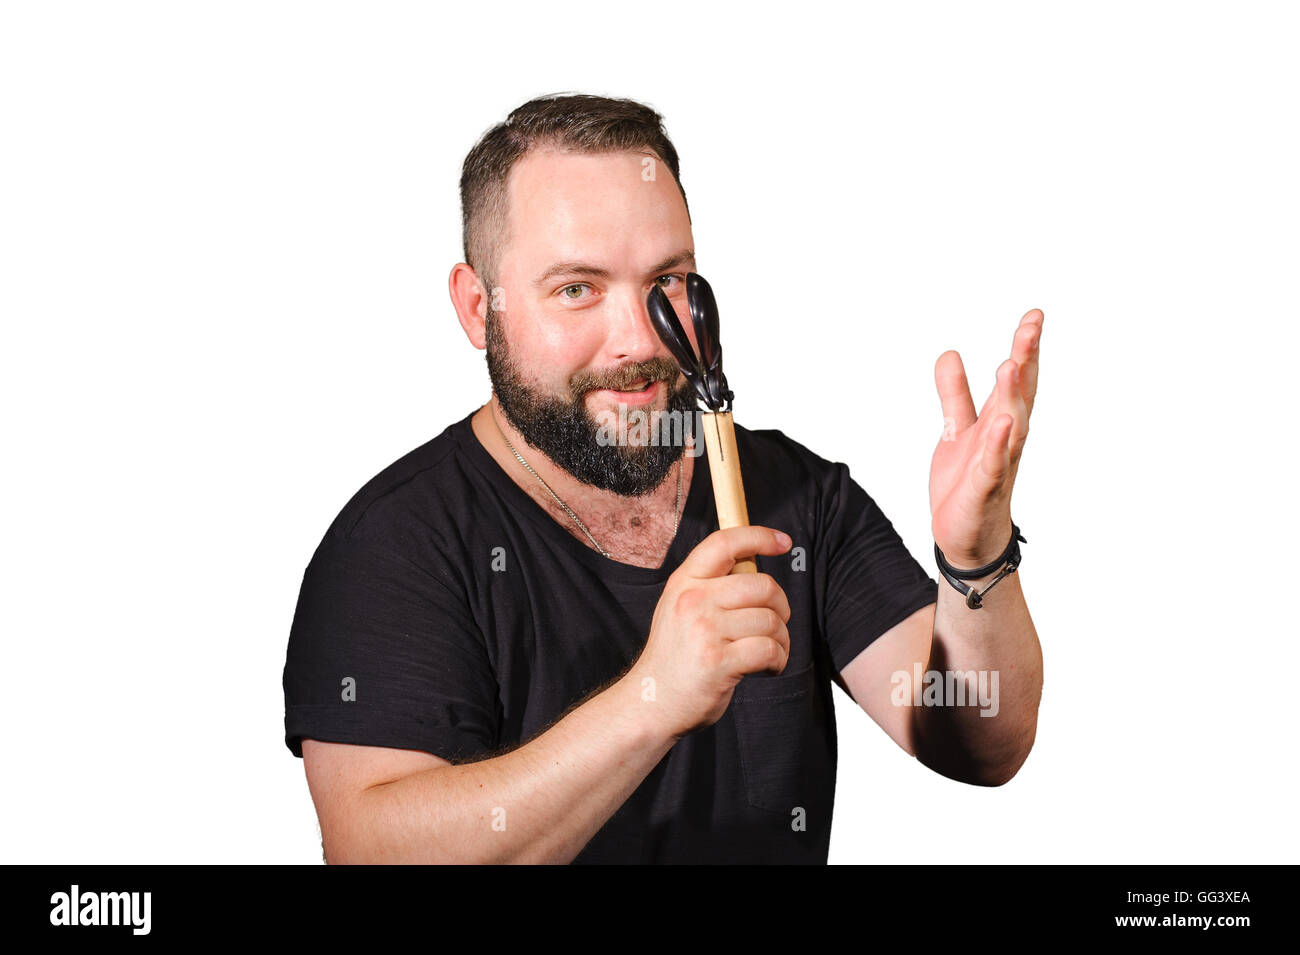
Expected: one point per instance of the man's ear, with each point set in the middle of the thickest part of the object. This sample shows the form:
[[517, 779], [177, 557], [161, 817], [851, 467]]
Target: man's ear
[[471, 300]]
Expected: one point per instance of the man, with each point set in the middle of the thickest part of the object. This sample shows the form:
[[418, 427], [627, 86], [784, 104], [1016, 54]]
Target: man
[[522, 642]]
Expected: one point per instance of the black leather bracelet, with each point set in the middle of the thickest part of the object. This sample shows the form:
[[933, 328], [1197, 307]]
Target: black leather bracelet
[[1009, 561]]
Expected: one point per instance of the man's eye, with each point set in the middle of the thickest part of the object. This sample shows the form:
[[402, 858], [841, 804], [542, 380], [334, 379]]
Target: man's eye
[[568, 291], [667, 287]]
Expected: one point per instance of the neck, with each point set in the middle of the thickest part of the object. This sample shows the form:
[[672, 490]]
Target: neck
[[636, 530]]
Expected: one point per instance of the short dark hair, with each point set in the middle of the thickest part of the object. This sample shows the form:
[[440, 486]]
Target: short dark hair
[[569, 121]]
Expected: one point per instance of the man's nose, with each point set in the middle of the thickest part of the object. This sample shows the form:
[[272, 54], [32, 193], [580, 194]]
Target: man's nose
[[633, 337]]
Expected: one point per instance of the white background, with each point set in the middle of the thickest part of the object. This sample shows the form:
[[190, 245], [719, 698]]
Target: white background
[[224, 243]]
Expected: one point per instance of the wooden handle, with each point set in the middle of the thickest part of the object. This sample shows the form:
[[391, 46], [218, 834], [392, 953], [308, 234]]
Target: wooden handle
[[728, 490]]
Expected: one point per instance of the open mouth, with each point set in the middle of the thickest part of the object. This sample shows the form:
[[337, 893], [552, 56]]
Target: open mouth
[[641, 391]]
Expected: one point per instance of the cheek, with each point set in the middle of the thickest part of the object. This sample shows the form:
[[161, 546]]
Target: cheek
[[556, 350]]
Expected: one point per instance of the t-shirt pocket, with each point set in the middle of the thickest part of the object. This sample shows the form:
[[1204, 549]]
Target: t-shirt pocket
[[783, 746]]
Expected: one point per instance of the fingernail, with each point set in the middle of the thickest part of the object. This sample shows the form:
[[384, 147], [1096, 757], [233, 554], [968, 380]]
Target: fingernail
[[783, 539]]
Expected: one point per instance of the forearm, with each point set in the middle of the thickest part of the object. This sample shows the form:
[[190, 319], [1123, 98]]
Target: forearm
[[539, 803], [985, 743]]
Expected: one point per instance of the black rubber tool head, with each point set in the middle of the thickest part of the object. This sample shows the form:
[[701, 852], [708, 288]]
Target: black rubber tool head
[[703, 371]]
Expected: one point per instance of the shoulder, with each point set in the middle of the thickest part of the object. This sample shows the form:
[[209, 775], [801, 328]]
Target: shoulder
[[825, 492], [779, 458], [789, 485], [415, 500]]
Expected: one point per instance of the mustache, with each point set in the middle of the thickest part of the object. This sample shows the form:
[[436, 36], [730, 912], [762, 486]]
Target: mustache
[[622, 379]]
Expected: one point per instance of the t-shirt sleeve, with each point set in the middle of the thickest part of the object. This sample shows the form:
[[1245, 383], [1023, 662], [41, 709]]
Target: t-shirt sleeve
[[384, 652], [873, 582]]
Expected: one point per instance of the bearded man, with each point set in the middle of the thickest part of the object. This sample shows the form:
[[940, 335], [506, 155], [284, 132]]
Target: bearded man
[[522, 642]]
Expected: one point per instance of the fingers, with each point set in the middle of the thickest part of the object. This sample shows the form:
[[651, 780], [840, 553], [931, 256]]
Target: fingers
[[754, 622], [994, 462], [753, 654], [1006, 398], [1003, 426], [954, 393], [1024, 354], [717, 554], [1011, 400], [750, 590], [1024, 349]]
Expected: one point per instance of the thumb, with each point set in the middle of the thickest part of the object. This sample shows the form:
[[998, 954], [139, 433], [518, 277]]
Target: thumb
[[717, 554]]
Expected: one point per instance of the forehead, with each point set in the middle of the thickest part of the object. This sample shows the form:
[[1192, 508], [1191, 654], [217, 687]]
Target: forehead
[[599, 207]]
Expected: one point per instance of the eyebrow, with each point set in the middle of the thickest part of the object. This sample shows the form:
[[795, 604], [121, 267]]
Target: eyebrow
[[594, 271]]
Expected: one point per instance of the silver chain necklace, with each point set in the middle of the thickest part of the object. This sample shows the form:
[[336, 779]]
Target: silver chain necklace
[[677, 516]]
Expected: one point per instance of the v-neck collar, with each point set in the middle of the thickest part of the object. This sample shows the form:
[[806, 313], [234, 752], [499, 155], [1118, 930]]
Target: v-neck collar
[[697, 522]]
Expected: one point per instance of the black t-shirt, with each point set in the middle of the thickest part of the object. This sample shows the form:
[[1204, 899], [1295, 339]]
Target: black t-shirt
[[446, 611]]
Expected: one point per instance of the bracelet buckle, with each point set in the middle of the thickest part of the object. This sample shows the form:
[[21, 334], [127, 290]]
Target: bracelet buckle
[[1006, 564]]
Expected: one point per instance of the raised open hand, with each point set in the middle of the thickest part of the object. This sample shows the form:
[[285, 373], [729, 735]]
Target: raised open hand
[[974, 467]]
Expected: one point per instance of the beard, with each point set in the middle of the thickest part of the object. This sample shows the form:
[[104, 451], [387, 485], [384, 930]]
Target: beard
[[567, 434]]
